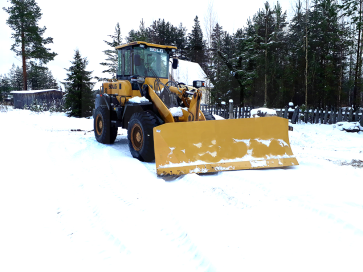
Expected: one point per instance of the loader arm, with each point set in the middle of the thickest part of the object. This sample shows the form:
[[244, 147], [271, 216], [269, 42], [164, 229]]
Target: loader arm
[[194, 108]]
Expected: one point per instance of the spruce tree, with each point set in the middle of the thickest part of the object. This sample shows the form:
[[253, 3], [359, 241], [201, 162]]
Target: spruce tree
[[79, 98], [5, 86], [196, 44], [111, 54], [29, 42], [139, 35], [354, 10], [325, 46], [39, 78], [16, 78], [296, 66], [181, 41]]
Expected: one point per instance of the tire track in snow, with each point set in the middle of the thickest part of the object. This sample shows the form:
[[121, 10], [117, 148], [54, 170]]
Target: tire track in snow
[[119, 212]]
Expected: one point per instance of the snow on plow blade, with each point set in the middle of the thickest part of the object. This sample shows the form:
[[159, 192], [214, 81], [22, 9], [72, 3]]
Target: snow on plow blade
[[221, 145]]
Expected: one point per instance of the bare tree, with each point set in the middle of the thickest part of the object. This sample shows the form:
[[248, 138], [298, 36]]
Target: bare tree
[[210, 21]]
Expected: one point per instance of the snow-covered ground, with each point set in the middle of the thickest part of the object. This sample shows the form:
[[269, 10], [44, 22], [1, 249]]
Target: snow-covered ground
[[69, 203]]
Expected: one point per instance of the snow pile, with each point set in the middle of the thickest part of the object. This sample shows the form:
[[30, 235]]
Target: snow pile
[[137, 99], [261, 112], [63, 210], [217, 117], [349, 126], [176, 111]]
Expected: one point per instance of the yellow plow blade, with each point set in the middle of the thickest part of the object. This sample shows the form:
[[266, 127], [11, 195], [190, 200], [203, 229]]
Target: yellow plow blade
[[220, 145]]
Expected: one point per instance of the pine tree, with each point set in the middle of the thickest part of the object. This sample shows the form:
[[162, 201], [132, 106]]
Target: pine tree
[[39, 78], [16, 78], [181, 42], [354, 10], [196, 44], [111, 54], [162, 32], [140, 35], [216, 68], [5, 86], [79, 98], [24, 16], [325, 46], [277, 55], [296, 65]]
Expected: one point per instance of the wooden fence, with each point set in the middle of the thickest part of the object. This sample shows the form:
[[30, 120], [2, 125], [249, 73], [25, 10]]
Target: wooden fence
[[296, 115], [226, 111], [321, 116]]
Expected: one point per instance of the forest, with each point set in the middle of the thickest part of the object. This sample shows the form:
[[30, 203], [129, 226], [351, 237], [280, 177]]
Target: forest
[[313, 59]]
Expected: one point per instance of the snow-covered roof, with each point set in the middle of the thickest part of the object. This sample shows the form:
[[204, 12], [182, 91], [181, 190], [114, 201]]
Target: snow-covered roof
[[187, 72], [36, 91]]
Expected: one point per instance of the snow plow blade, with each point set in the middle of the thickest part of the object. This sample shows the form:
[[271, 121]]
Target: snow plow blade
[[221, 145]]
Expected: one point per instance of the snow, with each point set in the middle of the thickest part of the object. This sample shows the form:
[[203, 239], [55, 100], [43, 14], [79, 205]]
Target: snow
[[176, 111], [257, 112], [35, 91], [349, 126], [69, 203], [187, 72], [137, 99]]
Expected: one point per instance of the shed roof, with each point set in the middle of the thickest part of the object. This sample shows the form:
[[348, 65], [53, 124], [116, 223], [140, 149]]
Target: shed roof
[[189, 71], [35, 91]]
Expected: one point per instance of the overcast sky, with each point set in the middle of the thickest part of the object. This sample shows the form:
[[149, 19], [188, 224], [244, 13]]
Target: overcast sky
[[84, 25]]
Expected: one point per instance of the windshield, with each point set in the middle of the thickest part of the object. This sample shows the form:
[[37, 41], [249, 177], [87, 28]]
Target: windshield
[[155, 58]]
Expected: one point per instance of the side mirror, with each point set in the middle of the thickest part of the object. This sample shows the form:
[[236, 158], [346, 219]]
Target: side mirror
[[137, 60], [175, 63]]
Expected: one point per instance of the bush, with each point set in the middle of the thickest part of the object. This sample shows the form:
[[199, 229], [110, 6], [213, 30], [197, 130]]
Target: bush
[[3, 107], [54, 106]]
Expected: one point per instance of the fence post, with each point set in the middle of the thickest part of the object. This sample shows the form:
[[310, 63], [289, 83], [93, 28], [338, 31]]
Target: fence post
[[316, 117], [356, 116], [340, 115], [346, 118], [286, 112], [322, 116], [351, 115], [306, 119], [326, 115], [333, 116], [295, 116], [230, 109]]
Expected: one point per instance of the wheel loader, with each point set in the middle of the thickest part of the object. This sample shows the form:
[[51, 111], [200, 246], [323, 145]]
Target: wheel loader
[[164, 121]]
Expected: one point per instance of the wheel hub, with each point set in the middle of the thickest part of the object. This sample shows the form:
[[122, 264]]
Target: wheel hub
[[99, 124], [136, 137]]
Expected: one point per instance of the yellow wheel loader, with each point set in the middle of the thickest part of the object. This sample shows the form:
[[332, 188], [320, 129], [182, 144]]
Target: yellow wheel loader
[[164, 121]]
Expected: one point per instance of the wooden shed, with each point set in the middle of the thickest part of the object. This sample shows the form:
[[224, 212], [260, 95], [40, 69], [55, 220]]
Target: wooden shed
[[22, 98]]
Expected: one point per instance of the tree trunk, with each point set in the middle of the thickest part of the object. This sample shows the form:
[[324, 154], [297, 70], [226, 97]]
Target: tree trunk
[[265, 102], [25, 85], [306, 56], [235, 75], [357, 66]]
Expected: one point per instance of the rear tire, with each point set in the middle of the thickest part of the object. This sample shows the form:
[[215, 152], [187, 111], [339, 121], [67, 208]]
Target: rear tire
[[140, 136], [104, 132]]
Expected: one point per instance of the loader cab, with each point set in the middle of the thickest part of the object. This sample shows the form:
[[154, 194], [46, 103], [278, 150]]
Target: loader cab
[[143, 60]]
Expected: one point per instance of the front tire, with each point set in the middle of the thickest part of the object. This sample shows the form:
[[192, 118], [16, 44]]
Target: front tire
[[140, 136], [104, 132]]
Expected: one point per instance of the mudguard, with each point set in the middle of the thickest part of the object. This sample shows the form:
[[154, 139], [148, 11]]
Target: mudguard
[[220, 145]]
